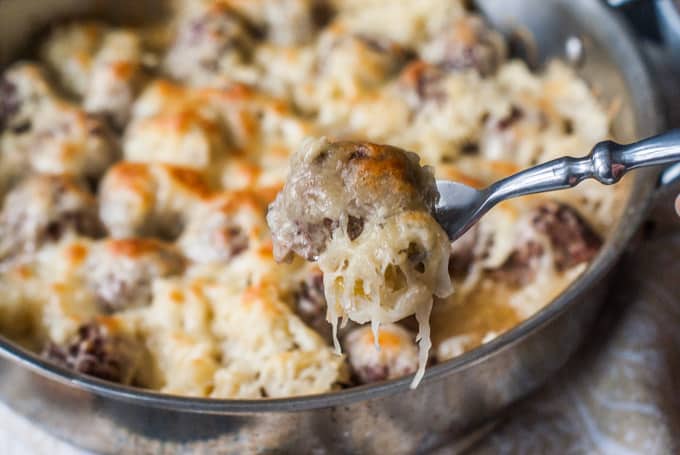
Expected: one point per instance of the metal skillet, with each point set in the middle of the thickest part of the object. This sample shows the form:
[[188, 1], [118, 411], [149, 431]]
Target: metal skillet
[[386, 417]]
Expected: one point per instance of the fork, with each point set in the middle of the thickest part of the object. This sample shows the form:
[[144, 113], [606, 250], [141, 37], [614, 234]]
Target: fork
[[461, 206]]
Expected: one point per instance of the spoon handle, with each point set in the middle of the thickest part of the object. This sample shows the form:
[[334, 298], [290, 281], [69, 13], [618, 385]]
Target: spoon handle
[[606, 163]]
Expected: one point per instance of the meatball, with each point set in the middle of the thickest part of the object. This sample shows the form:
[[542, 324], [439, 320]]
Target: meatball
[[97, 350], [287, 22], [520, 268], [116, 77], [214, 239], [67, 140], [43, 133], [572, 241], [99, 64], [421, 82], [127, 200], [339, 186], [397, 356], [149, 199], [352, 62], [43, 209], [69, 52], [309, 302], [466, 43], [22, 89], [210, 42], [121, 272], [223, 227]]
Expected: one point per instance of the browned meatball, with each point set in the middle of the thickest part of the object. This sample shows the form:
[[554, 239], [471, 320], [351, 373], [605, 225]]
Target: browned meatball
[[209, 42], [67, 140], [97, 351], [571, 239], [216, 239], [521, 266], [467, 43], [310, 300], [222, 228], [421, 82], [398, 354], [287, 22], [121, 271], [22, 88], [43, 209], [309, 303], [360, 60], [42, 133], [149, 199], [341, 185]]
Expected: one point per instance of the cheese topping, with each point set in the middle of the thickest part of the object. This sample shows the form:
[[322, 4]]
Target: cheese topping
[[137, 164]]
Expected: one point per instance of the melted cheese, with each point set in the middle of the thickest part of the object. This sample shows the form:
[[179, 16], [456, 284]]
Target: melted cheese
[[371, 280], [208, 115]]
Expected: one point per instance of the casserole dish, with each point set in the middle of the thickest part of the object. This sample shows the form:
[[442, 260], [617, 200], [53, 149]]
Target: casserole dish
[[454, 396]]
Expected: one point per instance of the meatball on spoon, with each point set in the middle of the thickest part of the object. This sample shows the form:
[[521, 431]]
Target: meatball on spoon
[[460, 206]]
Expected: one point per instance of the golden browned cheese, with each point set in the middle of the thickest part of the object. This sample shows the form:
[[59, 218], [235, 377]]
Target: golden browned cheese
[[43, 209], [149, 198], [100, 64], [41, 132], [345, 185], [137, 164], [121, 271]]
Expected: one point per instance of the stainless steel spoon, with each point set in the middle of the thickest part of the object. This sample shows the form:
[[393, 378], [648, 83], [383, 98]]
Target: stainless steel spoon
[[461, 206]]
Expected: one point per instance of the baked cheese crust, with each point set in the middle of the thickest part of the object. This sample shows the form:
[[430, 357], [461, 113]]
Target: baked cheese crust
[[137, 165]]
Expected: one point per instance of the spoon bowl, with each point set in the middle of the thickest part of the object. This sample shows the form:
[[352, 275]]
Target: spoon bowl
[[459, 207]]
